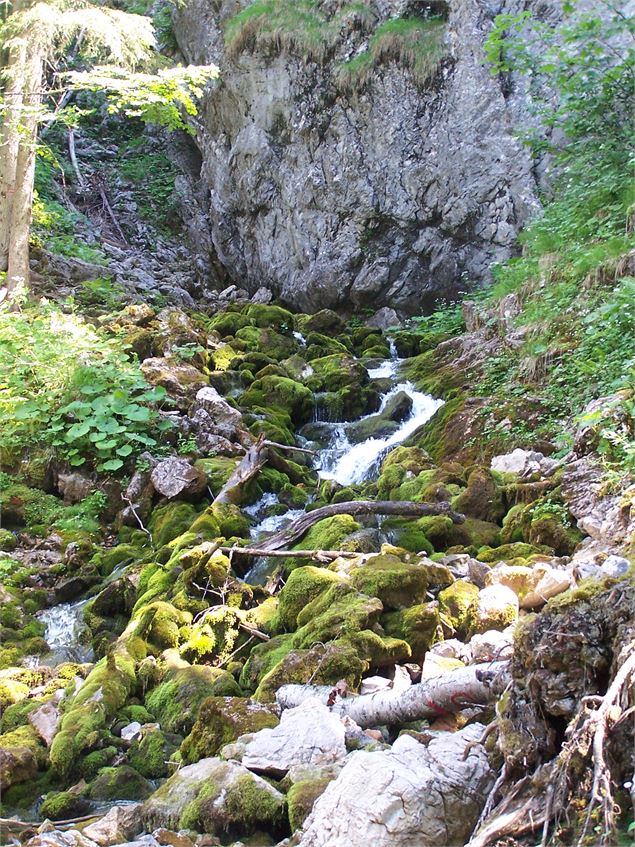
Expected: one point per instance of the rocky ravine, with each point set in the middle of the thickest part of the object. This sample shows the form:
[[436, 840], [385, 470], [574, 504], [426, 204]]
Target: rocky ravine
[[226, 711], [383, 189]]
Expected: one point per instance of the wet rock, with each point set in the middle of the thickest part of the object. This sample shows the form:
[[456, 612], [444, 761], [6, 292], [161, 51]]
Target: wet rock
[[409, 795], [45, 720], [385, 423], [119, 824], [309, 734], [138, 496], [55, 838], [120, 783], [175, 477]]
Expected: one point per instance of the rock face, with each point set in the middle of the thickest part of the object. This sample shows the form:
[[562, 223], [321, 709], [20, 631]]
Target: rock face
[[409, 796], [330, 188]]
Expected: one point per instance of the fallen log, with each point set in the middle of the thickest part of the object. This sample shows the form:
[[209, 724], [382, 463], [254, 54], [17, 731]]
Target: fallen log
[[320, 555], [253, 460], [440, 695], [403, 508]]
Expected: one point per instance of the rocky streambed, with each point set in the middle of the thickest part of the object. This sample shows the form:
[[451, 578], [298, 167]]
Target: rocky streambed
[[379, 684]]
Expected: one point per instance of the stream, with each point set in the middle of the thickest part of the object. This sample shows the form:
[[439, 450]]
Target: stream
[[344, 462]]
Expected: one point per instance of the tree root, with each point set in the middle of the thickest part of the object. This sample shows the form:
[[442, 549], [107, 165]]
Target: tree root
[[541, 800]]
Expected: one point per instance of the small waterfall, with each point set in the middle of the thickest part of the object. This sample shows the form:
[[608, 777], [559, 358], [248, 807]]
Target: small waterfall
[[64, 629], [300, 339]]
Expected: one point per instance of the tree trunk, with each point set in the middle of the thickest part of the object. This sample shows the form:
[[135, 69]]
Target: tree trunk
[[449, 692], [404, 508], [9, 144], [22, 205]]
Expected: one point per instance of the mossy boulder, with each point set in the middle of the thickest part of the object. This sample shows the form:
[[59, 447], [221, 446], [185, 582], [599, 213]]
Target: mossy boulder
[[483, 497], [282, 393], [455, 602], [512, 552], [217, 797], [169, 521], [92, 763], [264, 315], [301, 797], [267, 340], [331, 373], [228, 323], [396, 583], [550, 531], [214, 636], [407, 533], [222, 720], [8, 540], [325, 321], [338, 611], [120, 783], [162, 625], [419, 626], [384, 423], [176, 701], [330, 534], [60, 805], [495, 607], [303, 585]]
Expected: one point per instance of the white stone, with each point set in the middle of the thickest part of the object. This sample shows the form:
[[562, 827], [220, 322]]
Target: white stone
[[452, 648], [309, 734], [175, 477], [119, 824], [131, 731], [615, 566], [494, 603], [491, 645], [409, 796], [547, 582], [45, 721]]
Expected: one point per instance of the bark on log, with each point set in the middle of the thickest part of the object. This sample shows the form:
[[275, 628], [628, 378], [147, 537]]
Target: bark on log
[[250, 464], [404, 508], [449, 692]]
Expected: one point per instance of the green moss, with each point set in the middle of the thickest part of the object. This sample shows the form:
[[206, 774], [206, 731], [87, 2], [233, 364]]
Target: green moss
[[26, 736], [120, 783], [303, 585], [394, 582], [214, 637], [268, 316], [222, 720], [107, 559], [282, 393], [547, 530], [482, 498], [301, 797], [169, 521], [103, 694], [228, 323], [331, 373], [455, 601], [408, 534], [12, 691], [61, 805], [330, 534], [176, 701], [161, 624], [92, 763], [8, 540], [150, 755], [437, 437], [510, 552], [17, 714], [339, 611], [419, 626]]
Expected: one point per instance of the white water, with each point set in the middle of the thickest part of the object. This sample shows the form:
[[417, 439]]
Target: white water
[[64, 628], [300, 339], [349, 464]]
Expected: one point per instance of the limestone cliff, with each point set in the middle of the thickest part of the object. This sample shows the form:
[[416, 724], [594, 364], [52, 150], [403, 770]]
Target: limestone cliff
[[347, 163]]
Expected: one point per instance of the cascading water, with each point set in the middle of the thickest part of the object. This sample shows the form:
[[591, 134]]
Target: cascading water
[[64, 627]]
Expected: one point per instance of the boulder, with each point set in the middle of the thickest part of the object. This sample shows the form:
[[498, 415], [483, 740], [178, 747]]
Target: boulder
[[214, 414], [384, 318], [17, 764], [50, 837], [383, 424], [119, 824], [546, 582], [409, 796], [74, 486], [492, 646], [495, 607], [181, 381], [45, 720], [175, 477], [215, 796], [309, 734], [262, 296]]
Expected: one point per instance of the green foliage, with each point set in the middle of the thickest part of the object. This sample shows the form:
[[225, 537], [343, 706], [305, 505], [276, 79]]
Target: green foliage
[[414, 43], [103, 293], [67, 385], [153, 174]]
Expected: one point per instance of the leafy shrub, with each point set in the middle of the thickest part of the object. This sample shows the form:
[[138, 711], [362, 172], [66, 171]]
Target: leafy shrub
[[68, 386], [154, 174]]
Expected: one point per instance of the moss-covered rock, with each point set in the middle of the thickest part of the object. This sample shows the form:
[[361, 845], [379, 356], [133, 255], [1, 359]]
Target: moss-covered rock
[[303, 585], [176, 701], [495, 607], [8, 540], [549, 530], [396, 583], [92, 763], [120, 783], [339, 611], [301, 797], [222, 720], [161, 624], [150, 754], [59, 805], [330, 534], [407, 533], [512, 552], [483, 497], [281, 393], [169, 521], [331, 373], [455, 602], [419, 626]]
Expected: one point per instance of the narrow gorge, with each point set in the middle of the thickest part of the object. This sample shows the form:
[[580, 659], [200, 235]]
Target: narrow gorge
[[317, 464]]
